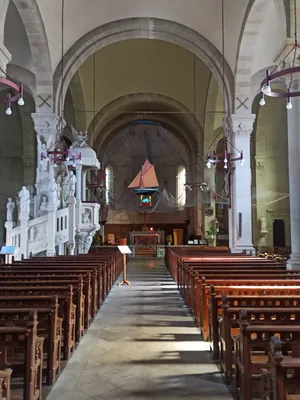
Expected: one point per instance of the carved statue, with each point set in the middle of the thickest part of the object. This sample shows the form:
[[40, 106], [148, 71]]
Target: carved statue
[[10, 207], [263, 225], [59, 190], [53, 193], [45, 158], [32, 234], [88, 242], [44, 204], [24, 197], [65, 190], [80, 141], [86, 216], [72, 184]]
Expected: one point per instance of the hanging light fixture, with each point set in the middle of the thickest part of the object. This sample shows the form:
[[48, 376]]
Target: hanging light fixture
[[16, 97], [229, 153], [226, 157], [281, 71]]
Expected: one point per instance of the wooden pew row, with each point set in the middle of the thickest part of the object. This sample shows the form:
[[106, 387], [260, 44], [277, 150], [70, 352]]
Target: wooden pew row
[[106, 275], [28, 364], [51, 288], [251, 347], [82, 300], [229, 327], [195, 295], [213, 303], [285, 372], [96, 270], [49, 327], [5, 377], [193, 280], [32, 296], [26, 281], [185, 270], [172, 259]]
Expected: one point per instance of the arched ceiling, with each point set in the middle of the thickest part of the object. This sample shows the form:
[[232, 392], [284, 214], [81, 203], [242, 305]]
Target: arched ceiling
[[203, 16], [166, 78]]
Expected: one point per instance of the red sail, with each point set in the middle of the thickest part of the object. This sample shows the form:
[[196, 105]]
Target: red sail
[[146, 178]]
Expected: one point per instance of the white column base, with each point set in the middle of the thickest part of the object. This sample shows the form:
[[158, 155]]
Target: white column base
[[248, 249], [294, 261]]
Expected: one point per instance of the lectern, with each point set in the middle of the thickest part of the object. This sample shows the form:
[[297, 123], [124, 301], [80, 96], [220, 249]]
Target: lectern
[[124, 250]]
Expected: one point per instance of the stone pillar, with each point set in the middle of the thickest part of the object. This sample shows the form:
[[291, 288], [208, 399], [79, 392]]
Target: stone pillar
[[78, 183], [208, 196], [23, 218], [294, 179], [78, 195], [61, 249], [51, 230], [240, 214], [9, 227], [5, 58], [71, 225], [83, 194]]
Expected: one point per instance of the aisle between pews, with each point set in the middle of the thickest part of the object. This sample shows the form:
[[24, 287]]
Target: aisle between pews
[[143, 344]]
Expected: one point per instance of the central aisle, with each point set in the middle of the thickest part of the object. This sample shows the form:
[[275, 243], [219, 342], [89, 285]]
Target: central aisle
[[142, 345]]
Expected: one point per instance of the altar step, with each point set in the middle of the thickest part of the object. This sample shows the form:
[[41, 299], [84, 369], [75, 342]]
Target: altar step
[[147, 253]]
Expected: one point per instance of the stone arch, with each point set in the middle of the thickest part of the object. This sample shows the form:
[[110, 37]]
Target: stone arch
[[111, 118], [77, 96], [212, 116], [35, 30], [142, 28], [255, 15]]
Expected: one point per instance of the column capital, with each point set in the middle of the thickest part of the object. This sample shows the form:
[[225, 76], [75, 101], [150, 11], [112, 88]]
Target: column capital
[[5, 58], [48, 127], [242, 124]]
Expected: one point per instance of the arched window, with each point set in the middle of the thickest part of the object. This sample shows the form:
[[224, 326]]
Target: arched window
[[181, 189], [110, 185]]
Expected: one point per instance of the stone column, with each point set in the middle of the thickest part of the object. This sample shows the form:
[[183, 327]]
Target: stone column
[[78, 195], [209, 220], [51, 230], [240, 214], [78, 182], [23, 218], [5, 58], [71, 225], [294, 178], [9, 227], [83, 194]]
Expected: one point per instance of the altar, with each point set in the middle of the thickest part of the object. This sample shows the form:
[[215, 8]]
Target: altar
[[147, 243]]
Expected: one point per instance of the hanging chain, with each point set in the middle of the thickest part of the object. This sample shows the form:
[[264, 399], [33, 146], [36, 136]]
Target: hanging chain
[[296, 42]]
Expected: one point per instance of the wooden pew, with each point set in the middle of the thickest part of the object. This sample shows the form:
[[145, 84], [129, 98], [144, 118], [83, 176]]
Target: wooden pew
[[83, 306], [5, 377], [89, 276], [104, 279], [229, 326], [49, 327], [213, 302], [52, 288], [31, 298], [285, 378], [25, 336], [251, 347]]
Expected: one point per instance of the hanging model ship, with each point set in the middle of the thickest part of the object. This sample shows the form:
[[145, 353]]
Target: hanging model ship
[[145, 184]]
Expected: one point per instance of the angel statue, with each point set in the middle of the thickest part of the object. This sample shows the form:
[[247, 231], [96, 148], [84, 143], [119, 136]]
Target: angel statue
[[80, 139]]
